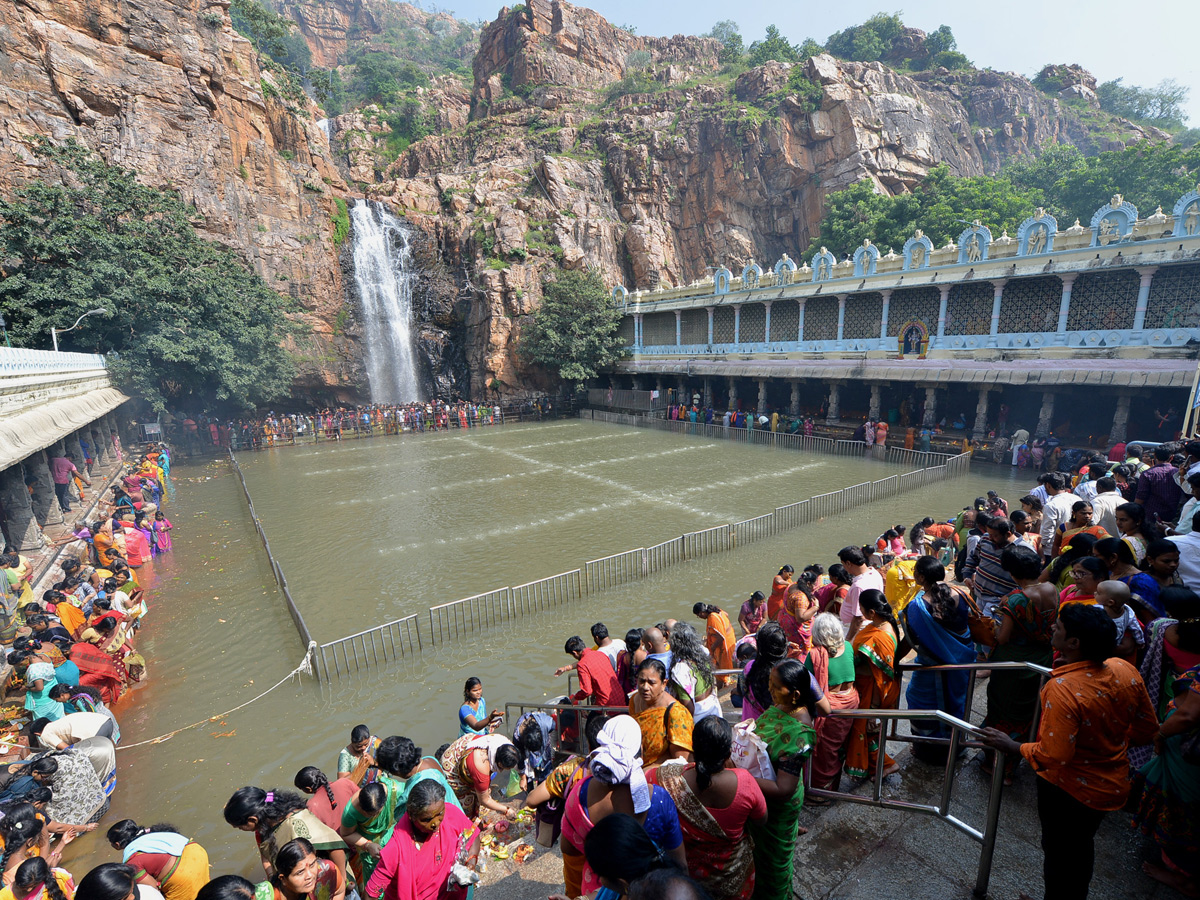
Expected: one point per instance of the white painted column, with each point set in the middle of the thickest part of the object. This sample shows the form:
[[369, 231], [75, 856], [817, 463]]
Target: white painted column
[[841, 319], [767, 327], [637, 330], [930, 407], [883, 320], [800, 330], [710, 312], [732, 393], [997, 293], [1046, 415], [678, 327], [737, 323], [1143, 298], [1064, 309], [834, 413], [943, 303]]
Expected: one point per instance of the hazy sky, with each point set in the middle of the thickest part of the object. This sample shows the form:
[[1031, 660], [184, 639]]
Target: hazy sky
[[1143, 42]]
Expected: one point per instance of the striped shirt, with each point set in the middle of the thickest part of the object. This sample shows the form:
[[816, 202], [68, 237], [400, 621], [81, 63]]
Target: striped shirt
[[983, 565]]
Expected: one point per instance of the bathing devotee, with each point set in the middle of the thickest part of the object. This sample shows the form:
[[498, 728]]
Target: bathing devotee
[[470, 764], [719, 639], [162, 857], [473, 715], [357, 757]]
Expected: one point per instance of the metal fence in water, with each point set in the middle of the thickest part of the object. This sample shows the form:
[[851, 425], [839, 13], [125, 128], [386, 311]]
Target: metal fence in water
[[450, 622]]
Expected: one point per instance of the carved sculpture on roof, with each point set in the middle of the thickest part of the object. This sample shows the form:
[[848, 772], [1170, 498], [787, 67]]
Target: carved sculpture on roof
[[865, 259], [1187, 214], [1036, 234], [785, 270], [751, 275], [974, 242], [721, 280], [823, 264], [1113, 222], [620, 295]]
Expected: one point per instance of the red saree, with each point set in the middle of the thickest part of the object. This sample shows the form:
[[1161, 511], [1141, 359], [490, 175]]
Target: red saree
[[99, 670], [832, 733]]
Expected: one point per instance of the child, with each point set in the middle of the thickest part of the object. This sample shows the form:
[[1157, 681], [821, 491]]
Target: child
[[1114, 597]]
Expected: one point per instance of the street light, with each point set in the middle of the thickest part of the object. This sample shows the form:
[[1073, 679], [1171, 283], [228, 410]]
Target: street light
[[55, 332]]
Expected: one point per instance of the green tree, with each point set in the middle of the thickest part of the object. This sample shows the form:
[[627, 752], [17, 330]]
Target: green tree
[[808, 49], [774, 46], [732, 46], [573, 333], [191, 325], [940, 41], [271, 33], [1161, 106], [869, 41]]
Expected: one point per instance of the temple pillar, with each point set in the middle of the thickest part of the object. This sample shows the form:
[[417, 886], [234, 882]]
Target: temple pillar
[[930, 417], [1143, 297], [873, 411], [637, 330], [681, 391], [45, 504], [942, 305], [800, 330], [102, 447], [678, 327], [708, 391], [23, 529], [710, 312], [1119, 431], [883, 321], [767, 327], [794, 407], [737, 323], [841, 319], [762, 396], [833, 414], [981, 415], [997, 293], [637, 383], [1064, 309], [1046, 414], [732, 393]]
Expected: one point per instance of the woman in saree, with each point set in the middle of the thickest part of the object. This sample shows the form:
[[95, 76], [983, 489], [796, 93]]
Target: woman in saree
[[753, 613], [472, 762], [716, 801], [665, 723], [831, 661], [1172, 648], [1131, 523], [1079, 523], [19, 572], [935, 625], [100, 671], [1086, 574], [39, 679], [719, 639], [876, 680], [1025, 618], [357, 758], [402, 767], [1169, 808], [779, 589], [36, 879], [427, 841], [1060, 572], [615, 784], [786, 728], [276, 817], [691, 678], [1143, 587], [367, 823], [176, 865], [110, 637], [302, 875], [797, 614]]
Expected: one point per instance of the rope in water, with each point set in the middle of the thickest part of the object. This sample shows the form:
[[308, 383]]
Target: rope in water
[[305, 668]]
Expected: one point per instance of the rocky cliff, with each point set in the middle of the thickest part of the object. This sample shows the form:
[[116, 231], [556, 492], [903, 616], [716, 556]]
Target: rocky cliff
[[170, 90], [587, 145]]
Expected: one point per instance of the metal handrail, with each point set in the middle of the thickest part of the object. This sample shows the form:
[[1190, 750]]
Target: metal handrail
[[986, 837]]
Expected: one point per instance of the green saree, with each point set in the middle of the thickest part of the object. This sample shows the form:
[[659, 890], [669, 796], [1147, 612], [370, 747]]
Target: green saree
[[775, 839]]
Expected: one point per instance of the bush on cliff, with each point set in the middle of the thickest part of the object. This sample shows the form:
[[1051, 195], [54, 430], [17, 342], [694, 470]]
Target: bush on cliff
[[191, 325], [574, 331]]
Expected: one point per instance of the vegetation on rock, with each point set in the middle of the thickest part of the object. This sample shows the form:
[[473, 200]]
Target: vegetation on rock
[[189, 324], [574, 331], [1064, 181]]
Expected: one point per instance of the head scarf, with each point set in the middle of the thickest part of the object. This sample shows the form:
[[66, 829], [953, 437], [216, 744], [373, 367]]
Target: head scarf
[[620, 752]]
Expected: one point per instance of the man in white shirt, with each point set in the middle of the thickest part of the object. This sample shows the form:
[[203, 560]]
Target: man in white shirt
[[1189, 554], [71, 729], [1086, 490], [1105, 503], [1055, 511], [1184, 525], [605, 644], [1040, 491], [863, 578]]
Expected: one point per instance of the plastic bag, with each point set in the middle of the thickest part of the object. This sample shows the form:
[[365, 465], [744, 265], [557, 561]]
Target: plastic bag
[[749, 752]]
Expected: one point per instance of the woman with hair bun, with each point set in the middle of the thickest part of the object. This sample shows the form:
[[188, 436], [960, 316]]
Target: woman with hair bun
[[35, 879], [276, 817], [876, 680], [716, 802], [163, 857]]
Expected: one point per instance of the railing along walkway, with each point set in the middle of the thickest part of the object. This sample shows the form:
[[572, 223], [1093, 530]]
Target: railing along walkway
[[459, 618]]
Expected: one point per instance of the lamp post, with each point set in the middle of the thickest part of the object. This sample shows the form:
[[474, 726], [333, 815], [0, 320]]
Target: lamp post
[[55, 332]]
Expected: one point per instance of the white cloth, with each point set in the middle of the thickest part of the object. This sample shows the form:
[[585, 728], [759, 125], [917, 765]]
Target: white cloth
[[868, 580], [492, 744], [1086, 490], [1185, 515], [612, 651], [620, 752], [1104, 511], [1055, 511], [1128, 621], [1189, 558], [684, 675]]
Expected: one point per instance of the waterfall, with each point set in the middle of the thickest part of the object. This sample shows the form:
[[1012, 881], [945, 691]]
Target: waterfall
[[382, 247], [326, 128]]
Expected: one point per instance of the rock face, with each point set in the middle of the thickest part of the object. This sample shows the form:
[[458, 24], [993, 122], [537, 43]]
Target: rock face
[[170, 90], [325, 26], [559, 168]]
